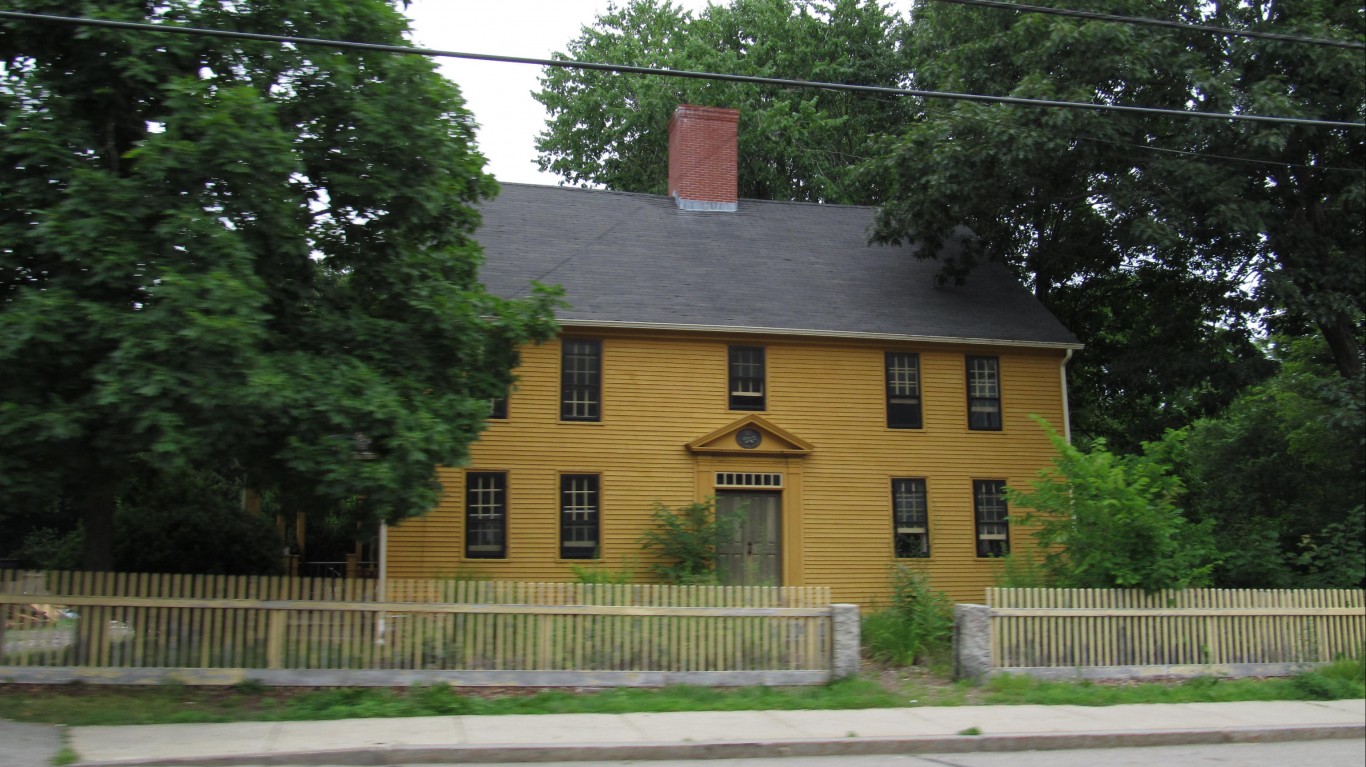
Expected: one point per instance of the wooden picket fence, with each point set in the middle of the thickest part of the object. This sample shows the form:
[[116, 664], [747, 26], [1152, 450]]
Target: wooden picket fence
[[133, 628], [1238, 631]]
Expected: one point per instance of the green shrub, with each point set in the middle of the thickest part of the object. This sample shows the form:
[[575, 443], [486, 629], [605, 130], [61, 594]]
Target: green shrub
[[599, 576], [1340, 680], [192, 522], [1111, 521], [1021, 571], [915, 627], [686, 540]]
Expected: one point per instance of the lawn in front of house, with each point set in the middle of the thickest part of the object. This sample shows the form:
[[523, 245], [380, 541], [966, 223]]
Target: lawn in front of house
[[887, 687]]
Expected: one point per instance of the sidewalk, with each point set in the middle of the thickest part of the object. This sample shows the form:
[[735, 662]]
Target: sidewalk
[[555, 737]]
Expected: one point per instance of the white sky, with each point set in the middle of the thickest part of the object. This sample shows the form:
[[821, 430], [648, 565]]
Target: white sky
[[500, 94]]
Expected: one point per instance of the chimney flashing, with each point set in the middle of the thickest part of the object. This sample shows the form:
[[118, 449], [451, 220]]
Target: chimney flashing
[[706, 206]]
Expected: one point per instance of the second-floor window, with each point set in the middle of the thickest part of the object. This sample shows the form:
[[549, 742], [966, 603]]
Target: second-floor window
[[581, 380], [903, 390], [984, 393], [746, 378]]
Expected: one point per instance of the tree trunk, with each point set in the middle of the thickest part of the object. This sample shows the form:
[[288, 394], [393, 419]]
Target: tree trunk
[[1342, 341], [97, 518]]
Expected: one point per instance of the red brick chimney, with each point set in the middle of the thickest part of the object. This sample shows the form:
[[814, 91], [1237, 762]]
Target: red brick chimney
[[702, 157]]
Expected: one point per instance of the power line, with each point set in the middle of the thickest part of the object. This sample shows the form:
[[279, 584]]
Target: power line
[[627, 69], [1159, 23], [1230, 158]]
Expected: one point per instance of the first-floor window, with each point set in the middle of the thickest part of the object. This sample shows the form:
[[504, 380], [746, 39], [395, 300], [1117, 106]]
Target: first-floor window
[[993, 529], [579, 516], [910, 518], [498, 408], [486, 514]]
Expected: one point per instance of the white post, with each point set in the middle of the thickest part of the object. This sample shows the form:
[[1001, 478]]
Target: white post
[[382, 586]]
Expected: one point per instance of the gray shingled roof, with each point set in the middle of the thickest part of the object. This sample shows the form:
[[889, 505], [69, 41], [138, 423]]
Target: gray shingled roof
[[638, 260]]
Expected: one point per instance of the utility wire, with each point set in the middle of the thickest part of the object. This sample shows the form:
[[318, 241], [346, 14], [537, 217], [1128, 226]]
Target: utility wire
[[1159, 23], [1229, 158], [626, 69]]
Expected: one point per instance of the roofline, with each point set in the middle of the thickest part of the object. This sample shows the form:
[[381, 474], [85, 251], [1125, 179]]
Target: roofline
[[817, 333]]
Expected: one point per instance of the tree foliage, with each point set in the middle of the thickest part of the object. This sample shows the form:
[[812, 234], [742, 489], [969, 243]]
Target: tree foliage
[[240, 254], [1281, 474], [1112, 521], [179, 521], [609, 129], [1215, 224]]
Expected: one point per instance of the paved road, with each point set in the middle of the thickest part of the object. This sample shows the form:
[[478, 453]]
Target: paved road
[[1317, 753]]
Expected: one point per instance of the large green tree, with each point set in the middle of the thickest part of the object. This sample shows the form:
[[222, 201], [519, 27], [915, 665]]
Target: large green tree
[[1281, 475], [242, 254], [795, 144], [1217, 224]]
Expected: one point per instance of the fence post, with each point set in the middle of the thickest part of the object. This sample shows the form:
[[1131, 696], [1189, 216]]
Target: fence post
[[971, 641], [844, 621]]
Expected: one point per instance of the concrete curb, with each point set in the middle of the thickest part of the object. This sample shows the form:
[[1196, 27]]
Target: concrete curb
[[853, 746]]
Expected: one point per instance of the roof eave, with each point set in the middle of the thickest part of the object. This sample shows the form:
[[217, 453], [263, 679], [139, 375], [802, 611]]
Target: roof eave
[[814, 333]]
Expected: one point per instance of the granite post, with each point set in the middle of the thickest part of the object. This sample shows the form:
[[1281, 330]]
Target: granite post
[[971, 641], [845, 631]]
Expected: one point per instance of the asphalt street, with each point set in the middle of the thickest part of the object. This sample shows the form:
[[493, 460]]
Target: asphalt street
[[1318, 753]]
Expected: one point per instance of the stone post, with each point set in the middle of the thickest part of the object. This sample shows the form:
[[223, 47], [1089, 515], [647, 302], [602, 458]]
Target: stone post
[[971, 641], [845, 632]]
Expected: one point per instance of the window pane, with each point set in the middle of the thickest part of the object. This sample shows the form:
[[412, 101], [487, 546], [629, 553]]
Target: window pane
[[581, 380], [746, 378], [910, 518], [579, 516], [903, 390], [498, 408], [485, 515], [984, 393], [993, 529]]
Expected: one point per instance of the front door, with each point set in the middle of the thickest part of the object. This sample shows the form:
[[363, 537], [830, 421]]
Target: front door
[[751, 555]]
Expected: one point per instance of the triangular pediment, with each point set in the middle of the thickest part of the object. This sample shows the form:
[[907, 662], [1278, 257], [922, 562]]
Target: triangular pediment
[[739, 438]]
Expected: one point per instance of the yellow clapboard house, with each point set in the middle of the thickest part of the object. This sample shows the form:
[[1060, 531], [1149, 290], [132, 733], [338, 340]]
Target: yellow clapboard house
[[850, 409]]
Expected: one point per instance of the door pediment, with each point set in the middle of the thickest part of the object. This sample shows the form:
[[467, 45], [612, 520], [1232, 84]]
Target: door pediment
[[739, 438]]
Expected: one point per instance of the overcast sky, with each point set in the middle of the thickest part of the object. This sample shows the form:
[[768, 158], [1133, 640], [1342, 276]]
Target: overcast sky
[[500, 94]]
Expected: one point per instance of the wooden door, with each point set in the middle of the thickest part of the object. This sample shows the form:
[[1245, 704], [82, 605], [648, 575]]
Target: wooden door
[[752, 554]]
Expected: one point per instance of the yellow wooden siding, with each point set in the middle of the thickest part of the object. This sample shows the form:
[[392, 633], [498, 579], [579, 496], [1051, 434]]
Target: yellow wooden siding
[[663, 391]]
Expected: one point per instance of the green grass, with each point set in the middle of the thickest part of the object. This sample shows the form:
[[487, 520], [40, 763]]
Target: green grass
[[1341, 680], [81, 705]]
